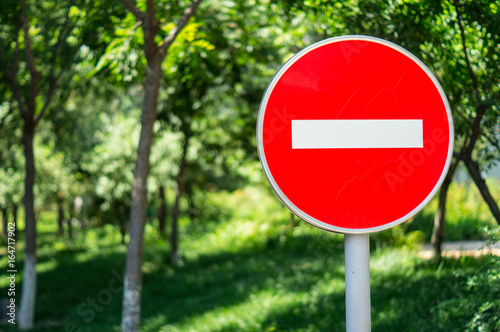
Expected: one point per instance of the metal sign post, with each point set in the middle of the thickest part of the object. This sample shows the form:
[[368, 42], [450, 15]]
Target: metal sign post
[[357, 282]]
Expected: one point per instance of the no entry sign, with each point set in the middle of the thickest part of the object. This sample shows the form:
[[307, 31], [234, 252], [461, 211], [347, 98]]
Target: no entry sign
[[355, 134]]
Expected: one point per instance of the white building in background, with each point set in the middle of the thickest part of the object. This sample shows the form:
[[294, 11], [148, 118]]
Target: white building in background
[[462, 175], [494, 172]]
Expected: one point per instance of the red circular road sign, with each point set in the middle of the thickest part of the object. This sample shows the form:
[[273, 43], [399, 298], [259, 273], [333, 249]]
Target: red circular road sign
[[355, 134]]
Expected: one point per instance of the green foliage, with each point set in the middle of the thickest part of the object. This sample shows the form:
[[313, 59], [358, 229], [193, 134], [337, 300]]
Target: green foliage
[[11, 185], [206, 206], [64, 35], [398, 236], [478, 307]]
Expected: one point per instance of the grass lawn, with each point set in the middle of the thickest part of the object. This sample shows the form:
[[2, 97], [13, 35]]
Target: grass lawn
[[249, 275]]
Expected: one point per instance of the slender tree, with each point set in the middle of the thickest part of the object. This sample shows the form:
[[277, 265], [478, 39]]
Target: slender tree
[[162, 210], [213, 81], [31, 114], [5, 219], [175, 258], [478, 117], [484, 101], [155, 54], [40, 42]]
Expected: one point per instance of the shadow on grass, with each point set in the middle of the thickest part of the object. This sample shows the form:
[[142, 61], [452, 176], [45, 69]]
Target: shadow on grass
[[422, 300], [226, 279], [74, 294], [399, 301], [69, 282], [82, 292]]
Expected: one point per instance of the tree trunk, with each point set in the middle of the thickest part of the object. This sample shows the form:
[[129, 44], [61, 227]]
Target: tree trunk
[[5, 221], [60, 217], [28, 292], [475, 174], [292, 223], [14, 216], [123, 230], [440, 217], [162, 211], [69, 221], [174, 236], [70, 227], [132, 289]]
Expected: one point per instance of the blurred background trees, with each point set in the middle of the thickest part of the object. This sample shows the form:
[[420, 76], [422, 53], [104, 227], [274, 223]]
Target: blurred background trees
[[79, 79]]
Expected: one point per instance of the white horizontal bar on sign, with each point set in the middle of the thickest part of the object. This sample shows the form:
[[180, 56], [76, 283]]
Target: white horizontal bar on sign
[[357, 134]]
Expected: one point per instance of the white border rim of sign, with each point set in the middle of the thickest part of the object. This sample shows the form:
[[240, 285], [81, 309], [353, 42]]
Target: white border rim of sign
[[260, 147]]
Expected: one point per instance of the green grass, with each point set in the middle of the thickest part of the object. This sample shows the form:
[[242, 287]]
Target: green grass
[[252, 272]]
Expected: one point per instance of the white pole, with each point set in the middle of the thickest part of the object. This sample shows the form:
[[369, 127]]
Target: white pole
[[357, 283]]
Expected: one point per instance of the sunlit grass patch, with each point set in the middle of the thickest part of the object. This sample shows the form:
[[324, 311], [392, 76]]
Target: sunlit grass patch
[[248, 315]]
